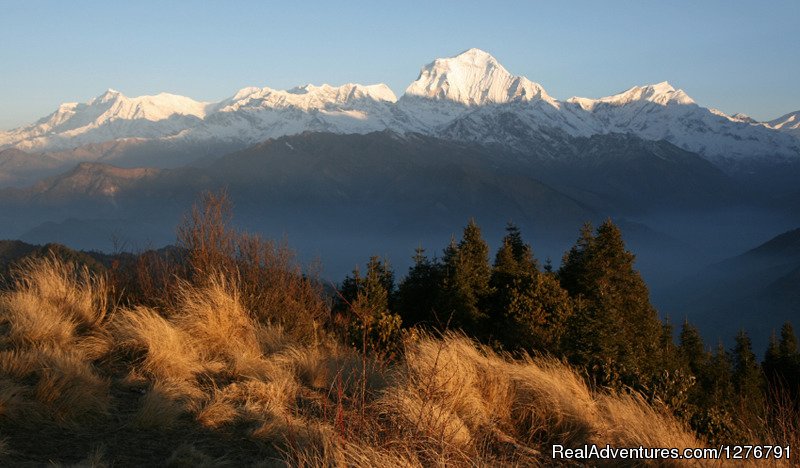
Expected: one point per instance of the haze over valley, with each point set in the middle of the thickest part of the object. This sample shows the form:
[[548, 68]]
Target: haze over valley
[[348, 171]]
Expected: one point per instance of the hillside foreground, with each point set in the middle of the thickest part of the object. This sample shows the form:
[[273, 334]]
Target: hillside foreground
[[205, 383]]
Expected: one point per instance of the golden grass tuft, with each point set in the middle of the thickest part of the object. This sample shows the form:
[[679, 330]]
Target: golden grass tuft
[[628, 419], [52, 332], [551, 403], [162, 350], [250, 401], [55, 304], [214, 317]]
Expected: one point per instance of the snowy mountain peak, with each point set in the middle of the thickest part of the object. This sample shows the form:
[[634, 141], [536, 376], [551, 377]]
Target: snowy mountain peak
[[476, 57], [104, 118], [790, 120], [109, 95], [473, 78], [740, 117], [660, 93], [306, 97], [349, 91], [789, 123]]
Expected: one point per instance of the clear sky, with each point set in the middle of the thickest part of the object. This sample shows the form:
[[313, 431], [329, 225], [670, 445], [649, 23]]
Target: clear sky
[[734, 55]]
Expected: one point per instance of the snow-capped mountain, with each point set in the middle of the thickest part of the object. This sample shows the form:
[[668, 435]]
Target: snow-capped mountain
[[449, 88], [110, 116], [468, 97], [661, 112], [256, 114], [789, 123], [473, 78]]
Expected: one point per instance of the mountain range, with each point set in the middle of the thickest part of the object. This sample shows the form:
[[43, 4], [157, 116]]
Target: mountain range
[[470, 97]]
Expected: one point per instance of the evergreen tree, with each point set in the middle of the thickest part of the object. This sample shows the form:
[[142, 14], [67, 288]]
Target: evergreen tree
[[772, 358], [788, 344], [667, 346], [773, 354], [375, 328], [348, 291], [528, 308], [668, 351], [377, 286], [784, 364], [378, 271], [515, 256], [418, 293], [572, 273], [713, 414], [691, 349], [673, 384], [747, 377], [614, 324], [535, 312], [466, 280], [716, 378]]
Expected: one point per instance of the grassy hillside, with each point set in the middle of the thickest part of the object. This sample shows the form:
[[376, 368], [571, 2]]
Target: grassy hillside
[[203, 382]]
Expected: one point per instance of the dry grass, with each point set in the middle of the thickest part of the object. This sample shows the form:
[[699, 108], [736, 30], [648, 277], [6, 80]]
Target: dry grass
[[159, 349], [206, 365], [53, 331]]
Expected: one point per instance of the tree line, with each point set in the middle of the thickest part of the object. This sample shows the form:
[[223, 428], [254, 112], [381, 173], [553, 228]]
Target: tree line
[[594, 312]]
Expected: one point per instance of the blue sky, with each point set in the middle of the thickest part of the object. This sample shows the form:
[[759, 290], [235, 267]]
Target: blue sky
[[736, 56]]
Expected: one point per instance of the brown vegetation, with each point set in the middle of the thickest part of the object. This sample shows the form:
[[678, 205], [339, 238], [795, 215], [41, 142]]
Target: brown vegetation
[[209, 364]]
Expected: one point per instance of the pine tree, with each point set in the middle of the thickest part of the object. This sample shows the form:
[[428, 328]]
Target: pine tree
[[377, 286], [418, 293], [691, 349], [514, 255], [666, 344], [786, 370], [535, 312], [378, 272], [373, 326], [714, 411], [716, 378], [788, 344], [572, 273], [772, 358], [772, 354], [748, 381], [615, 324], [348, 291], [528, 308], [669, 357], [673, 384], [466, 280], [548, 265]]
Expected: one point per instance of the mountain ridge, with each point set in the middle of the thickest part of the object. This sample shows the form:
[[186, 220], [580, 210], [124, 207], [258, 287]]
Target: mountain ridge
[[466, 98]]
